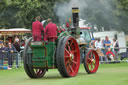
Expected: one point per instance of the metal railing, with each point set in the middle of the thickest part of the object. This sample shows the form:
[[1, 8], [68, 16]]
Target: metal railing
[[11, 59]]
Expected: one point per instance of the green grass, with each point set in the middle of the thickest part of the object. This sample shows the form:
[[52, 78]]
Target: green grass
[[107, 74]]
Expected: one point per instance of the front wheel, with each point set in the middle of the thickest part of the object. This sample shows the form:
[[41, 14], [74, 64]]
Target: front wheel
[[68, 57], [91, 61]]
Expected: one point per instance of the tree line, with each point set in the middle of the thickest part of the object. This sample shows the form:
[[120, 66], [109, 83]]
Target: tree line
[[112, 14]]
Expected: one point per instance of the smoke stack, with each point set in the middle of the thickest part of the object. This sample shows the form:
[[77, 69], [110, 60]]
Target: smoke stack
[[75, 15]]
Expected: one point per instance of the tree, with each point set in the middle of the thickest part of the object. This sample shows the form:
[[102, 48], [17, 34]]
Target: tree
[[110, 14]]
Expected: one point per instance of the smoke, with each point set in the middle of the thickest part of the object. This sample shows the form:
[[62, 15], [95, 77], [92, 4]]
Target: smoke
[[93, 11], [64, 10]]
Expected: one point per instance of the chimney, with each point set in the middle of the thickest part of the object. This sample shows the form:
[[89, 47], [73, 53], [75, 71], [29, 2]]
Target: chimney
[[75, 15]]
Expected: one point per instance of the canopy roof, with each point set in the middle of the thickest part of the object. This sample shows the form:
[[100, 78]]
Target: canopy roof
[[16, 31]]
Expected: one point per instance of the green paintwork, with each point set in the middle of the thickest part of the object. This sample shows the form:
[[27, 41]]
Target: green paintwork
[[43, 55], [65, 33]]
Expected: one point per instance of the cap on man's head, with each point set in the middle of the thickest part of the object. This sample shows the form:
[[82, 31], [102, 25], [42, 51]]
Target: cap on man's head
[[1, 42], [92, 39], [49, 19], [38, 18]]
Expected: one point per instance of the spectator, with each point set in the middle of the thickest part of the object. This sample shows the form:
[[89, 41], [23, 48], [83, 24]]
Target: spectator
[[16, 39], [16, 44], [10, 39], [11, 49], [103, 42], [18, 49], [107, 42], [92, 43], [22, 45], [99, 46], [115, 49], [2, 51], [110, 54]]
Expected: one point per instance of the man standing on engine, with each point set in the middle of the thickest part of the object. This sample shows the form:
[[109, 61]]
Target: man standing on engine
[[37, 29], [50, 30]]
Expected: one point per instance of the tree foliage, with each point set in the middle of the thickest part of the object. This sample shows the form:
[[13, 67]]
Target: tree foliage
[[21, 13]]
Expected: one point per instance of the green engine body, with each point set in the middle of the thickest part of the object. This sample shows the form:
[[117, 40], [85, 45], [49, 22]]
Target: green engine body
[[43, 54]]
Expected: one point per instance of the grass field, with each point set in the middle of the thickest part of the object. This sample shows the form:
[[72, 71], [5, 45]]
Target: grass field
[[107, 74]]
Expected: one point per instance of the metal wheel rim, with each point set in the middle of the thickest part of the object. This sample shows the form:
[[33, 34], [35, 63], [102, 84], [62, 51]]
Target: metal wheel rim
[[71, 56], [32, 72], [92, 61]]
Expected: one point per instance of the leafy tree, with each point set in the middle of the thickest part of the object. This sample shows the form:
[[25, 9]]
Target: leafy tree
[[110, 14]]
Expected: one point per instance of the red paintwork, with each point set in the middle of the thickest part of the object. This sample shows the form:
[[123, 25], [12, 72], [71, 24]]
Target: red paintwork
[[92, 55], [37, 29], [51, 31], [85, 27], [110, 52], [72, 64], [67, 24]]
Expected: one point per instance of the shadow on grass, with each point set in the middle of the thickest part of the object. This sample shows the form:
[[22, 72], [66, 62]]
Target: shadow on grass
[[58, 76], [53, 77], [48, 77]]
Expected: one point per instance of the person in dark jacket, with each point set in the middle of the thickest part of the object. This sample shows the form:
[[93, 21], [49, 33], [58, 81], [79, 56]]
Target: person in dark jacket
[[2, 52], [18, 49], [11, 49], [17, 45]]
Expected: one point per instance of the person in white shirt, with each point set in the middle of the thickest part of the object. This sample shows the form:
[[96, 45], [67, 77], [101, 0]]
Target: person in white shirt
[[99, 46]]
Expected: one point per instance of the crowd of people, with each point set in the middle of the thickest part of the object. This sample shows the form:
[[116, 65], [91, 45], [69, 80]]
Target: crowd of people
[[106, 49], [9, 50]]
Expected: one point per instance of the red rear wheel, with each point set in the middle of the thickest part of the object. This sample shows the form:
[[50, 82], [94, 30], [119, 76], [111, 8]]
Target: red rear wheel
[[91, 61], [68, 57]]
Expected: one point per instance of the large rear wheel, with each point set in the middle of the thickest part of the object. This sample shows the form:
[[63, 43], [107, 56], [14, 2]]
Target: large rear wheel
[[91, 61], [30, 71], [68, 57]]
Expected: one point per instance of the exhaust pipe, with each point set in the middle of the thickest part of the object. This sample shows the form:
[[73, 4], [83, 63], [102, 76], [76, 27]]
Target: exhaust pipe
[[75, 15]]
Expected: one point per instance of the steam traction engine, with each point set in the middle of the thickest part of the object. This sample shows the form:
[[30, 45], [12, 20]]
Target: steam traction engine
[[61, 52]]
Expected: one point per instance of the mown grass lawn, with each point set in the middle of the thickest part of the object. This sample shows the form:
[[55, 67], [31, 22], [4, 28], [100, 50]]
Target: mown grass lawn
[[107, 74]]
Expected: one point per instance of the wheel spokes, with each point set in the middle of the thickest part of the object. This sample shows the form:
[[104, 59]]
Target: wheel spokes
[[38, 72], [67, 56], [69, 48], [91, 54], [74, 51], [72, 56], [67, 63], [67, 52], [74, 62], [91, 66], [91, 61], [71, 43], [71, 68]]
